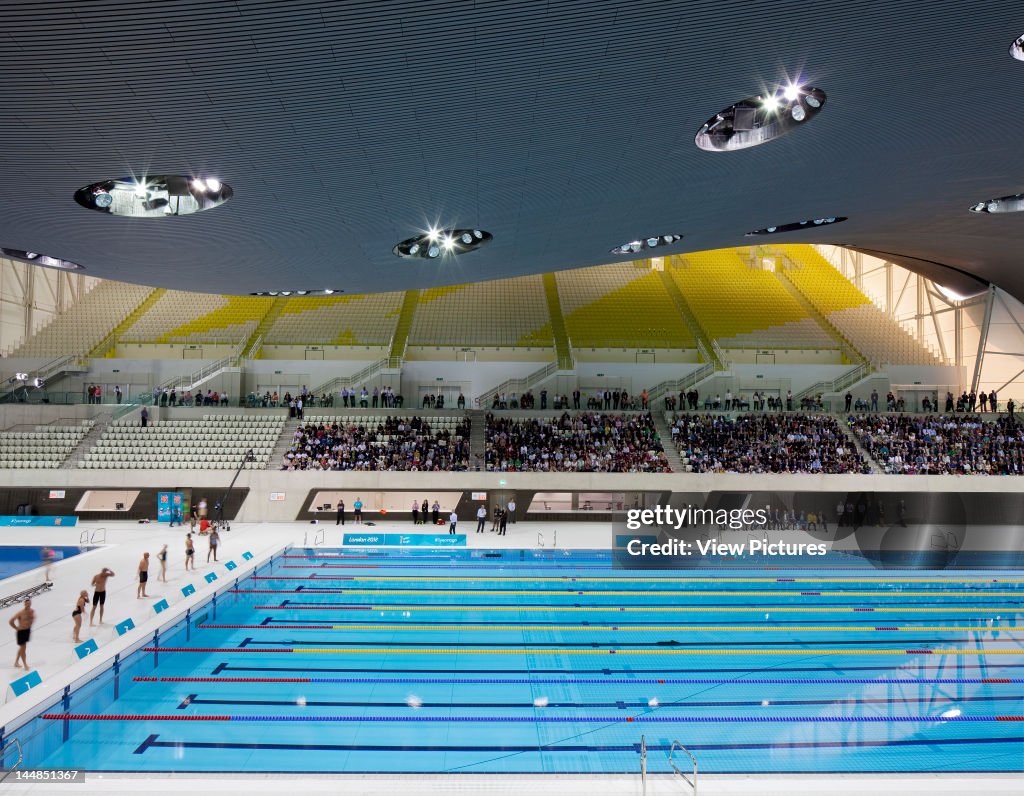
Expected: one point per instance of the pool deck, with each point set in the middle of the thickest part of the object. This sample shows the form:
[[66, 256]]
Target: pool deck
[[51, 652]]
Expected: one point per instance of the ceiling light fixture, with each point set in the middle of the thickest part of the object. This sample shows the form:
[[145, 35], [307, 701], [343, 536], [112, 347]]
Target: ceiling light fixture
[[436, 242], [1004, 204], [797, 225], [154, 196], [653, 242], [1017, 48], [758, 120], [307, 293], [45, 260]]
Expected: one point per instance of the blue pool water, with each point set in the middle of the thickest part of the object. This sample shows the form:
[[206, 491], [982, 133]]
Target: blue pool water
[[525, 662], [15, 559]]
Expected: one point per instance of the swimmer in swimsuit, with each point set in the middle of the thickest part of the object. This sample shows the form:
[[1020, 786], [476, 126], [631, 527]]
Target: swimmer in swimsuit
[[76, 615], [22, 624]]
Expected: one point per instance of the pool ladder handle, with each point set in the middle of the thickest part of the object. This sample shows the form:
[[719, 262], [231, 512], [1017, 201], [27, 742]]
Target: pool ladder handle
[[643, 764], [3, 756], [675, 768], [554, 539], [85, 538]]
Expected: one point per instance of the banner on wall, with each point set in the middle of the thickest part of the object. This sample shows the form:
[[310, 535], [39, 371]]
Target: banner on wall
[[171, 507], [37, 521], [405, 540]]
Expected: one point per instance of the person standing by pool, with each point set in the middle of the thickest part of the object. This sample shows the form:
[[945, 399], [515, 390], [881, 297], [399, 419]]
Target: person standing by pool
[[214, 544], [140, 591], [22, 624], [76, 615], [503, 524], [190, 553], [162, 558], [357, 511], [453, 519], [47, 555], [415, 512], [512, 511], [435, 512], [341, 513], [481, 518], [99, 593]]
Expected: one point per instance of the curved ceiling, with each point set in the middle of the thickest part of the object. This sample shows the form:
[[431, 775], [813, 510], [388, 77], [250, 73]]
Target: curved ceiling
[[563, 128]]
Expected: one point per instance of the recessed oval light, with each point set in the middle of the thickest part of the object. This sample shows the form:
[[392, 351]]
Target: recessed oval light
[[45, 260], [435, 242], [757, 120], [797, 225], [307, 293], [1004, 204], [642, 244], [1017, 48], [154, 196]]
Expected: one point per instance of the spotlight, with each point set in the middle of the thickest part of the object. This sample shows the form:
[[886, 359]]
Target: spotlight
[[31, 255], [198, 184], [141, 189], [467, 238], [213, 184], [328, 292], [448, 243], [286, 292], [302, 292], [414, 249], [103, 199], [635, 246], [38, 383], [798, 112], [478, 234], [791, 92], [432, 234], [813, 101], [433, 250], [772, 229], [770, 103], [652, 242]]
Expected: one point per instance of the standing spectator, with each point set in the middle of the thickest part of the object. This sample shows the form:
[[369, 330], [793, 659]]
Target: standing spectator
[[145, 417], [22, 624], [849, 401], [576, 398], [76, 615], [644, 396], [1010, 406], [118, 393], [357, 511], [435, 512], [503, 525], [214, 544], [99, 593], [993, 401], [140, 591], [415, 512], [90, 393], [423, 512], [874, 400], [453, 520], [341, 513], [481, 518], [376, 397], [984, 401], [162, 558], [99, 394], [512, 510]]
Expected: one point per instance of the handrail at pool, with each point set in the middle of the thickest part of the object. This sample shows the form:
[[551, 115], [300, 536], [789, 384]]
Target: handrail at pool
[[675, 768], [3, 756], [643, 764]]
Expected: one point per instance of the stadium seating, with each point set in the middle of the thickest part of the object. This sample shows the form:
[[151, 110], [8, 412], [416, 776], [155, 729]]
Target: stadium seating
[[582, 443], [620, 306], [336, 320], [217, 442], [506, 312], [765, 443], [380, 442], [205, 318], [742, 306], [79, 328], [872, 332], [47, 447]]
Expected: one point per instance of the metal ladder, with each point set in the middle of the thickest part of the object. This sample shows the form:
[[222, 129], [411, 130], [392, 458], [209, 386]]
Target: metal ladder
[[3, 756], [99, 536], [675, 769]]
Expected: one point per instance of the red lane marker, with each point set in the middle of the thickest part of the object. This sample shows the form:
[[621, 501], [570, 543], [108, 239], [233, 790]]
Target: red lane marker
[[266, 627], [314, 607], [996, 680], [222, 679], [1009, 718], [210, 649], [130, 717]]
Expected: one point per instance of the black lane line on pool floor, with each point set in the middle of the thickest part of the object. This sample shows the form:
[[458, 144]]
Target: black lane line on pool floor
[[881, 608], [886, 638], [195, 699], [868, 623], [631, 670], [151, 742]]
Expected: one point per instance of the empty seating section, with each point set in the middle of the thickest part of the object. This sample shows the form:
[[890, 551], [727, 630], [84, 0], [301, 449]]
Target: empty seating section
[[506, 312], [47, 447], [170, 311], [620, 306], [216, 442], [336, 320], [744, 307], [872, 332], [220, 319], [79, 328], [380, 442]]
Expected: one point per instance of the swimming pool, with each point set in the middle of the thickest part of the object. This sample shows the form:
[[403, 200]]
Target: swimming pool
[[469, 662], [15, 559]]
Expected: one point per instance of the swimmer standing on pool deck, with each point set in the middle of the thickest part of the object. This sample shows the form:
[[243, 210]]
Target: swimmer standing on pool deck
[[99, 594], [140, 592], [76, 615], [22, 624]]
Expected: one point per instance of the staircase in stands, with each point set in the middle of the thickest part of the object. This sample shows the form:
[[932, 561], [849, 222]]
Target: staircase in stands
[[400, 339], [107, 347], [563, 347]]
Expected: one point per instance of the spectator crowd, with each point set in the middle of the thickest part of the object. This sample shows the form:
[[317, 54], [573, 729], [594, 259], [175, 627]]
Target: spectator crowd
[[942, 444], [769, 443], [591, 442], [394, 443]]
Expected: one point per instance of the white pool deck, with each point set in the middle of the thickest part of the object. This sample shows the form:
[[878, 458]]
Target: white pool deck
[[51, 653]]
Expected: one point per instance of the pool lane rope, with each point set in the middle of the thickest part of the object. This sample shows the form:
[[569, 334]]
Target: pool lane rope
[[627, 628], [589, 579], [641, 718], [629, 609], [593, 681], [648, 593], [466, 651]]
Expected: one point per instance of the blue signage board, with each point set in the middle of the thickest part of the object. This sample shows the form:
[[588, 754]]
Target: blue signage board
[[170, 507], [86, 648], [187, 590], [25, 684], [405, 540], [124, 627], [10, 520], [160, 606]]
